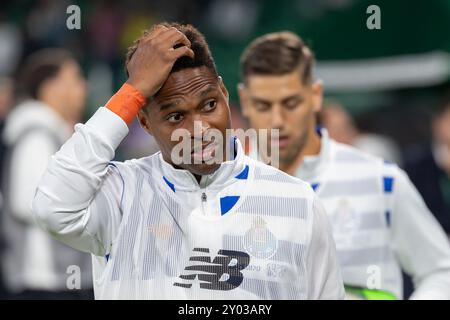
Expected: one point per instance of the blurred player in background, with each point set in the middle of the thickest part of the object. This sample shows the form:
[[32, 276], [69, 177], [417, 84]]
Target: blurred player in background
[[34, 265], [380, 222], [342, 128], [159, 229], [429, 168]]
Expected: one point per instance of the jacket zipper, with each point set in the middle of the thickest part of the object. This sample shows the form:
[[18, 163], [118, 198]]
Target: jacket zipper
[[204, 198]]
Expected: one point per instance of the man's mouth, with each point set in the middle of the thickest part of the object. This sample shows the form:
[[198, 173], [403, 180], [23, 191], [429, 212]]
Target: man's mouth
[[283, 142], [205, 152]]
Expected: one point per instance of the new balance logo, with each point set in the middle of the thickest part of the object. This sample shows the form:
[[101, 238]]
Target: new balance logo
[[222, 273]]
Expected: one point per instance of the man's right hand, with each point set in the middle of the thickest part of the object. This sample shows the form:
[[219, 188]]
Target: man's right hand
[[154, 57]]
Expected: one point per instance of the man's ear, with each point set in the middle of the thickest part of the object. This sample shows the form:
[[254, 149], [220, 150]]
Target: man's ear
[[224, 89], [317, 95], [243, 98], [144, 120]]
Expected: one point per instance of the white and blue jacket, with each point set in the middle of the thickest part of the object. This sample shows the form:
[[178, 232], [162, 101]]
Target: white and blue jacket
[[247, 231]]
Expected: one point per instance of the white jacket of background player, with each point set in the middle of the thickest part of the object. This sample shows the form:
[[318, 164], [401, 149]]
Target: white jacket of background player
[[380, 222], [247, 231]]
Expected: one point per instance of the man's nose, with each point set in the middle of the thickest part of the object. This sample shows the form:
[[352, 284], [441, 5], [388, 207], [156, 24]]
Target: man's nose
[[199, 128], [277, 118]]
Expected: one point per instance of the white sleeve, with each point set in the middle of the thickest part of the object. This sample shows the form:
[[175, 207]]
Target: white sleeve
[[78, 197], [325, 279], [419, 242], [25, 174]]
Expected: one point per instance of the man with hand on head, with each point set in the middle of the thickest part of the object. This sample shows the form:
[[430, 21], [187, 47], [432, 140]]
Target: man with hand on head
[[160, 229]]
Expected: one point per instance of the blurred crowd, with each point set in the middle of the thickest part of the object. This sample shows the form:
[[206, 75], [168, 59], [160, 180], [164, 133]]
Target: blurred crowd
[[45, 92]]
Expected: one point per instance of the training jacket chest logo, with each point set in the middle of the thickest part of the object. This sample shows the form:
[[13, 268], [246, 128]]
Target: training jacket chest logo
[[221, 273]]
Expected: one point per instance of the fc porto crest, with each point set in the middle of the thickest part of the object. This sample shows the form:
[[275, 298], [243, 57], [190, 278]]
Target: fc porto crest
[[258, 241], [346, 224]]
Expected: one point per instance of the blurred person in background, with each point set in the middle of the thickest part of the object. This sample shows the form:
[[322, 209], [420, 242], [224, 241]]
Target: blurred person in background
[[6, 101], [34, 265], [429, 166], [342, 128], [380, 222]]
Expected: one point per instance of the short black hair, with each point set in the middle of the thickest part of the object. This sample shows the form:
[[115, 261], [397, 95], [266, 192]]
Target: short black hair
[[202, 54], [39, 67], [277, 53]]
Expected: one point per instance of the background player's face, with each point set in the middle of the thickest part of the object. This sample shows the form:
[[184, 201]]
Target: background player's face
[[188, 95], [69, 87], [282, 102], [67, 91]]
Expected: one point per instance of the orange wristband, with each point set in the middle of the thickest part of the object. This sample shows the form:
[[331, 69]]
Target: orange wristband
[[126, 103]]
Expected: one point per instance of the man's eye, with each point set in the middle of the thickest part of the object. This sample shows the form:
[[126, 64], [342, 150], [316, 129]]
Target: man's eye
[[210, 105], [175, 117], [262, 107], [292, 104]]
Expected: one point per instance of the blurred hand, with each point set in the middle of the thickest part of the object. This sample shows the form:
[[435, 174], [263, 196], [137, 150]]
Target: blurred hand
[[155, 55]]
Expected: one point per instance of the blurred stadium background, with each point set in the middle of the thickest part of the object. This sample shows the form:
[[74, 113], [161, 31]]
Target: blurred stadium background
[[389, 81]]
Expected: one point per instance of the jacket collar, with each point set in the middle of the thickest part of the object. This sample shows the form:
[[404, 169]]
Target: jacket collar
[[312, 166], [228, 172]]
